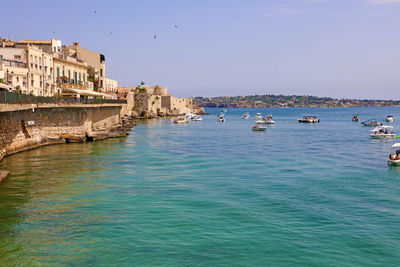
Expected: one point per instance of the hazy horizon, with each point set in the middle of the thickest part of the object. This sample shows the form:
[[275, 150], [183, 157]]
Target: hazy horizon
[[332, 48]]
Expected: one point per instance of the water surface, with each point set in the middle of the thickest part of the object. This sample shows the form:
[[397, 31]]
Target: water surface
[[208, 194]]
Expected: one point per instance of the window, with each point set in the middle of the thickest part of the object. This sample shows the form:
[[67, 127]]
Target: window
[[84, 77], [69, 74], [17, 79], [17, 56], [79, 76], [58, 72], [101, 72]]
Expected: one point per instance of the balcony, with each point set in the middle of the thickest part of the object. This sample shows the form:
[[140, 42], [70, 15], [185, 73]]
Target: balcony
[[65, 82]]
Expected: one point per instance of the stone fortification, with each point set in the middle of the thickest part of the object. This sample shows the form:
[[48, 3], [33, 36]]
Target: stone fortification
[[30, 128]]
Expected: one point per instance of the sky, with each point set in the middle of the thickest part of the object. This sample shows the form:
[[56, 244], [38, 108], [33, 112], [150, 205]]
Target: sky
[[335, 48]]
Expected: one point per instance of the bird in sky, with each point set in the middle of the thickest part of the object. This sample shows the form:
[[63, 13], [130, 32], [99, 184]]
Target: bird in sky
[[176, 26], [95, 12], [155, 36]]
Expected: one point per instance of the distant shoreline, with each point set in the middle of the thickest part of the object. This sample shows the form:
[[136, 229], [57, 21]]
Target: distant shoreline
[[288, 101]]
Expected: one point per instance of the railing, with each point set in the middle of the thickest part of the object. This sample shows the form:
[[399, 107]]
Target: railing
[[14, 98]]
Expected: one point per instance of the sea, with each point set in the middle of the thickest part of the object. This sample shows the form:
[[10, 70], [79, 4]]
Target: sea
[[209, 194]]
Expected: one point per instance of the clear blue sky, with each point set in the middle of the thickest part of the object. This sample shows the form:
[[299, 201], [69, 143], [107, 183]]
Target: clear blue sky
[[339, 48]]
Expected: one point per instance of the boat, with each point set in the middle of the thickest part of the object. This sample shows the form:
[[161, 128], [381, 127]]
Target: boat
[[224, 110], [197, 118], [190, 115], [268, 119], [258, 116], [245, 116], [382, 132], [221, 117], [259, 127], [309, 119], [389, 118], [371, 122], [181, 119], [355, 118], [394, 158]]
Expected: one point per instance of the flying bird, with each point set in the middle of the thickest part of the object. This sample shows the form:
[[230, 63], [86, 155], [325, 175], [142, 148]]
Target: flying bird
[[95, 12], [155, 36], [176, 26]]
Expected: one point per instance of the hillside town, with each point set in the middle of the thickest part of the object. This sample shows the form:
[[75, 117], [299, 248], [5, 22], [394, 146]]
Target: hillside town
[[47, 68], [287, 101]]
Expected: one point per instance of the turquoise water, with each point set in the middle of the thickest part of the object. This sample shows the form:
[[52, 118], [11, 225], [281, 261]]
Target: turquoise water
[[209, 194]]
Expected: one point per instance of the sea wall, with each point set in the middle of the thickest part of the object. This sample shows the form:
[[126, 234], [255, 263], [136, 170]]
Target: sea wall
[[25, 129]]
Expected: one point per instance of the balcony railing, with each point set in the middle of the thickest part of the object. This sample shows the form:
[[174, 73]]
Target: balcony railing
[[15, 98]]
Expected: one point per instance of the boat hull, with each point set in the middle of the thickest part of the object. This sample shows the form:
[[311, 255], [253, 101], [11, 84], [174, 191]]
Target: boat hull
[[394, 162], [382, 136]]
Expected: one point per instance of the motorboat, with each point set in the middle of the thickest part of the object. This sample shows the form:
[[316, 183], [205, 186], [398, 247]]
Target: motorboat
[[190, 115], [181, 119], [197, 118], [268, 119], [382, 132], [309, 119], [389, 118], [259, 127], [258, 116], [224, 110], [221, 117], [355, 118], [394, 158], [371, 122], [245, 116]]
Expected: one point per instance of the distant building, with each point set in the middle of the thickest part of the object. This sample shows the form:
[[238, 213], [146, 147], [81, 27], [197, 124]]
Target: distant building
[[110, 87]]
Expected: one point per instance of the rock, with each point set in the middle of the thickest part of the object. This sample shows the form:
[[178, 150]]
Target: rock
[[3, 175]]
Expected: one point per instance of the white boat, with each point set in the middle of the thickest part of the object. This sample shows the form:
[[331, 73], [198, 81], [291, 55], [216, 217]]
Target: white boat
[[382, 132], [371, 122], [189, 115], [221, 117], [394, 158], [268, 119], [224, 110], [245, 116], [355, 118], [181, 119], [309, 119], [258, 116], [389, 118], [197, 118], [259, 127]]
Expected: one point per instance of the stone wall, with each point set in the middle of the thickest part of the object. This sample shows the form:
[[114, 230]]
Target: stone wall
[[26, 129]]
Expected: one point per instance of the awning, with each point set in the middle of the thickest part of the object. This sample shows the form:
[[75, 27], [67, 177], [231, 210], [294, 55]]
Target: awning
[[83, 92], [4, 86]]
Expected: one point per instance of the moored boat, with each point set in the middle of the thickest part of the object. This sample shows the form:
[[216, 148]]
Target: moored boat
[[268, 119], [258, 116], [389, 118], [371, 122], [309, 119], [259, 127], [181, 119], [382, 132], [245, 116], [394, 158], [221, 117], [197, 118], [355, 118]]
